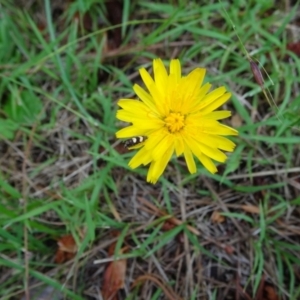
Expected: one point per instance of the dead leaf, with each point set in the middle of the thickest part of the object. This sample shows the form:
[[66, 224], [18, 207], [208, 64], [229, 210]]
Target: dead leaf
[[114, 10], [216, 217], [266, 291], [114, 275], [167, 225], [114, 279], [236, 121], [271, 293], [67, 249], [294, 47], [67, 243], [251, 209], [229, 249]]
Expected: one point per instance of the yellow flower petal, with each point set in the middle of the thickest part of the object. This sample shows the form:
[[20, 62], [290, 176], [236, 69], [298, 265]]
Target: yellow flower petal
[[160, 75], [207, 163], [143, 157], [147, 79], [129, 132], [179, 145], [158, 167], [188, 155], [217, 115], [214, 127], [156, 137], [126, 114], [217, 103], [188, 91], [175, 69], [139, 122], [219, 142], [128, 104], [145, 97], [199, 148], [162, 147], [196, 105]]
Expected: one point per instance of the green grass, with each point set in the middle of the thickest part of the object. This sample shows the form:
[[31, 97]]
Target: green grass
[[61, 171]]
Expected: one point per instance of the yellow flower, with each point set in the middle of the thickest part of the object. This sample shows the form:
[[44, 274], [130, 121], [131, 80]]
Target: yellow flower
[[177, 114]]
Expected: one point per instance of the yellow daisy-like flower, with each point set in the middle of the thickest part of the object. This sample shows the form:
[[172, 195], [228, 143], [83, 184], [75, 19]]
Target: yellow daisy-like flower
[[177, 114]]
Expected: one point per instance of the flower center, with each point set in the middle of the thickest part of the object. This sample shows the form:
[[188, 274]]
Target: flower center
[[174, 122]]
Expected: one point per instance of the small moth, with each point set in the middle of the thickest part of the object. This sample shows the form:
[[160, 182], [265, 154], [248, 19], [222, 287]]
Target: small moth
[[134, 141]]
